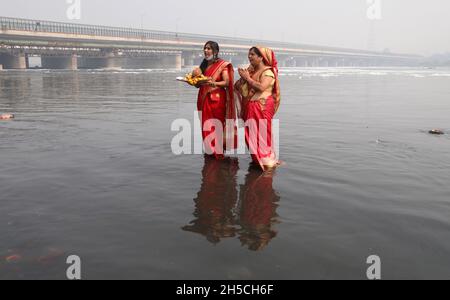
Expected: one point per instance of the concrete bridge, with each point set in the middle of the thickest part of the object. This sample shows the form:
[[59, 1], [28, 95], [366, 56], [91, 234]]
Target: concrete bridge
[[73, 46]]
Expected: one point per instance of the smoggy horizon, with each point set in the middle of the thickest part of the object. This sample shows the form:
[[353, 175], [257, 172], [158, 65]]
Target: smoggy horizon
[[399, 26]]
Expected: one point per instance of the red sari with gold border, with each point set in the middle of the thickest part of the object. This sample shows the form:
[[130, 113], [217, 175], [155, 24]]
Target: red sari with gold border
[[216, 103]]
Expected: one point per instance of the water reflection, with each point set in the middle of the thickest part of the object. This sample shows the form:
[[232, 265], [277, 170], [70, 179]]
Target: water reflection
[[14, 89], [216, 201], [257, 209], [219, 214], [65, 85]]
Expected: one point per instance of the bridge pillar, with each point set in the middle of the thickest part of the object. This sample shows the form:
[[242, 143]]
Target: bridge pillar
[[188, 59], [1, 67], [187, 62], [155, 61], [171, 61], [108, 62], [59, 62], [9, 61], [142, 62]]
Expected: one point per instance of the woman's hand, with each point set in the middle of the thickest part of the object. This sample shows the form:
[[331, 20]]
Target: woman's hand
[[245, 74], [199, 85], [211, 83]]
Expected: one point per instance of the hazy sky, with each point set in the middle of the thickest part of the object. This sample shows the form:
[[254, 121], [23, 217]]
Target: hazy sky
[[409, 26]]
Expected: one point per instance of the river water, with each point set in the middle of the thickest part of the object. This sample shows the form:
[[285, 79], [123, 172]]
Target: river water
[[87, 169]]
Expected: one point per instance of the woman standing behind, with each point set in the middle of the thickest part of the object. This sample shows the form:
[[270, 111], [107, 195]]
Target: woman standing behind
[[259, 93], [216, 102]]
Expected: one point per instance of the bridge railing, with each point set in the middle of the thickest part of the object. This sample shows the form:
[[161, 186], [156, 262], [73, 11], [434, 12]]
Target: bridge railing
[[122, 32], [94, 30], [70, 28]]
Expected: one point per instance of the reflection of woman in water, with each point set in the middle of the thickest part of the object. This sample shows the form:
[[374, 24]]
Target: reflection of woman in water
[[216, 205], [257, 211], [216, 200]]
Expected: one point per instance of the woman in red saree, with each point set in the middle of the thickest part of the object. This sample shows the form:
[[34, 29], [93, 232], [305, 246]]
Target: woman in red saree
[[259, 95], [216, 103]]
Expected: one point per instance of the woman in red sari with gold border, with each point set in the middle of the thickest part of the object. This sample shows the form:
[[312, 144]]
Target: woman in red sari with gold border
[[259, 95], [216, 103]]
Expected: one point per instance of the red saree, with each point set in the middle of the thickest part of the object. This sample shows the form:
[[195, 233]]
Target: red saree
[[217, 107], [258, 132]]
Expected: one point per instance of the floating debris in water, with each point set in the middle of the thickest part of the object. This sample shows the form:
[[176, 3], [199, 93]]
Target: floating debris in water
[[52, 255], [436, 131], [6, 117], [13, 258]]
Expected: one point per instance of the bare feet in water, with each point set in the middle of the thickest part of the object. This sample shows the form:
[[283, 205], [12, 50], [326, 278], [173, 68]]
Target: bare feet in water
[[273, 166]]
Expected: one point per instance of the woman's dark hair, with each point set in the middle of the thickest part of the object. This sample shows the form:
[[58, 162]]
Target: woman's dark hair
[[256, 50], [216, 49]]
